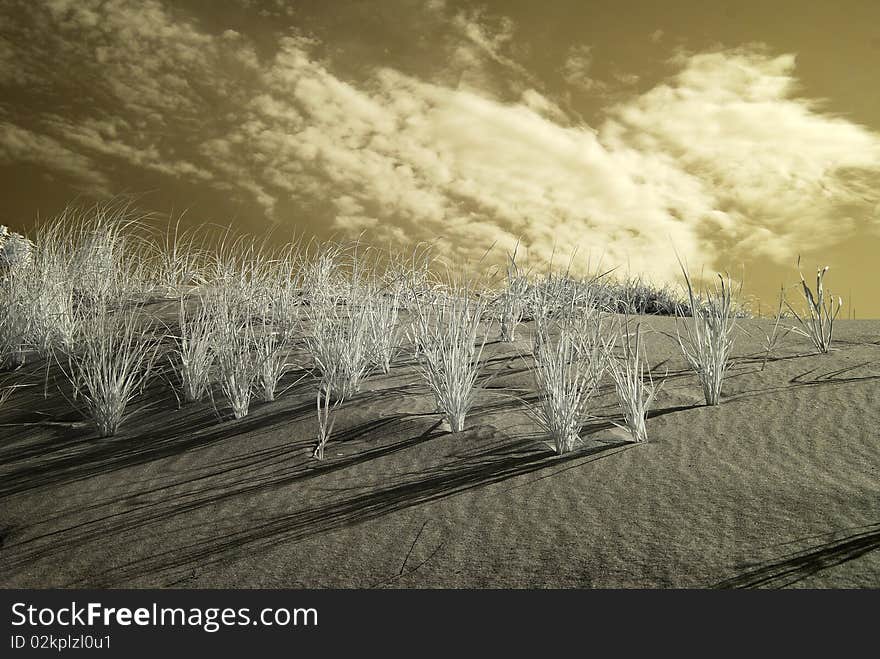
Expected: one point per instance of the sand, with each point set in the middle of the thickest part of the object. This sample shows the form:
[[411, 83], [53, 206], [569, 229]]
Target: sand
[[776, 487]]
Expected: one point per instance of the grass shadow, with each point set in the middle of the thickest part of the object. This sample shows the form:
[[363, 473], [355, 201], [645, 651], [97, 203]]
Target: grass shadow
[[797, 566]]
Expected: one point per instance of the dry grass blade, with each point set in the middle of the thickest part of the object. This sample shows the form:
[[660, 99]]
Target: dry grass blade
[[326, 421], [777, 333]]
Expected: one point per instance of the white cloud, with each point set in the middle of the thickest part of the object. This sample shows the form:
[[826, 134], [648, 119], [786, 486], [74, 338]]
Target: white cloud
[[714, 157], [721, 159], [427, 160], [783, 174]]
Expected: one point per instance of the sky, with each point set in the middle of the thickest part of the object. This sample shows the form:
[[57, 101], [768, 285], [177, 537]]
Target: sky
[[738, 135]]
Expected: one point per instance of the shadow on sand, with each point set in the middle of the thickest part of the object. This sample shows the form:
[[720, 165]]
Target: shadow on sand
[[797, 566], [200, 546]]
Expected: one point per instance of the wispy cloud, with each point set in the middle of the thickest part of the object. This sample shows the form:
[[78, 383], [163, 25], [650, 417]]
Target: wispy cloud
[[577, 69], [19, 145]]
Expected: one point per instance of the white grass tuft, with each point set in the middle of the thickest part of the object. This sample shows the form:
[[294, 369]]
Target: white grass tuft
[[708, 335], [446, 335], [570, 352], [270, 343], [383, 308], [513, 300], [193, 356], [237, 364], [110, 363], [634, 384], [340, 345], [326, 420], [817, 324]]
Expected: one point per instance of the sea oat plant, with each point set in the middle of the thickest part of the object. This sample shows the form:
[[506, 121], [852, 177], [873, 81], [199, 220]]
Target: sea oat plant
[[817, 324]]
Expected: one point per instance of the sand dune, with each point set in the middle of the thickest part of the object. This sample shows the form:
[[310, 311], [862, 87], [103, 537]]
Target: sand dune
[[778, 486]]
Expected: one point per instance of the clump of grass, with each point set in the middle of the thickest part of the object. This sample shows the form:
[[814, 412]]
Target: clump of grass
[[340, 346], [817, 324], [270, 342], [634, 295], [45, 301], [383, 309], [15, 332], [232, 345], [323, 280], [446, 336], [570, 352], [110, 363], [193, 355], [339, 315], [237, 367], [240, 283], [410, 279], [513, 300], [280, 327], [177, 262], [79, 258], [634, 384], [708, 335]]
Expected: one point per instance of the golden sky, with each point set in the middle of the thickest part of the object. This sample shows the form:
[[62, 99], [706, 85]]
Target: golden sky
[[740, 134]]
